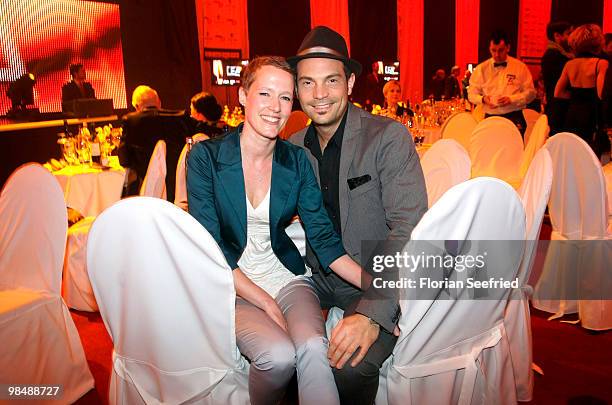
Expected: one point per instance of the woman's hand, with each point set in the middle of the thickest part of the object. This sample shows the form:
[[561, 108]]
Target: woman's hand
[[271, 308], [251, 292], [350, 271]]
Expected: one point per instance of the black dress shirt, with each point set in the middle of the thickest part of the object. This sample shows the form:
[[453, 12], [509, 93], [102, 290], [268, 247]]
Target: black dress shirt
[[71, 91], [329, 169], [552, 65]]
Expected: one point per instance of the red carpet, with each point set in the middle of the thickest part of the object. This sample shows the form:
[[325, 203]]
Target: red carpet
[[577, 363]]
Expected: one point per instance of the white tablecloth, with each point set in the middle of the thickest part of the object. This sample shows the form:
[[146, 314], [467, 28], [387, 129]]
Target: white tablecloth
[[89, 190], [432, 134]]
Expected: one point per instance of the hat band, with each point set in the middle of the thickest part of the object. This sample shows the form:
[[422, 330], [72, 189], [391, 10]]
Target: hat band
[[321, 49]]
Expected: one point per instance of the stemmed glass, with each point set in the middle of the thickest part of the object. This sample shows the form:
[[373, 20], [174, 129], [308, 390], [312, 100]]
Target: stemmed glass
[[69, 151], [115, 137], [83, 151]]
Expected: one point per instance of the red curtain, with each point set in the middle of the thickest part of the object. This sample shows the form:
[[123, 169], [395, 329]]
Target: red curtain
[[331, 13], [467, 15], [410, 27], [607, 18], [533, 18]]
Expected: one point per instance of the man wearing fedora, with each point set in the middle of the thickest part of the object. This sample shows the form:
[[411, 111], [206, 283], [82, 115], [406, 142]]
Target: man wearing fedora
[[373, 189]]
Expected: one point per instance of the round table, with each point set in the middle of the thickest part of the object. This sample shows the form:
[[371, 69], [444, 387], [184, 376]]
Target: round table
[[90, 190]]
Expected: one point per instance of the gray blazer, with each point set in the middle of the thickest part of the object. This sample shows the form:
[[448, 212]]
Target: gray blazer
[[387, 206]]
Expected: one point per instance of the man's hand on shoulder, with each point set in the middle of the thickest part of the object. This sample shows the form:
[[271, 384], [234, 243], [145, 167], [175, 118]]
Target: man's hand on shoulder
[[351, 333]]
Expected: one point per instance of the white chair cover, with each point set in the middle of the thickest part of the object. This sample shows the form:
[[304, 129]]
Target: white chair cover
[[180, 194], [534, 193], [607, 169], [496, 150], [199, 137], [167, 298], [539, 135], [459, 127], [478, 113], [444, 165], [40, 344], [455, 351], [579, 215], [531, 117], [76, 288], [154, 183]]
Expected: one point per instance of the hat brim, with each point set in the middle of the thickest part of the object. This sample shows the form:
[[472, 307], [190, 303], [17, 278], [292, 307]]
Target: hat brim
[[352, 64]]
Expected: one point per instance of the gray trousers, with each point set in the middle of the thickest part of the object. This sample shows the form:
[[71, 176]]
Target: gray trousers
[[274, 354]]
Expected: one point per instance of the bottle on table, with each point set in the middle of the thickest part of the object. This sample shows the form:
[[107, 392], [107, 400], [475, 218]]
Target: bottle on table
[[94, 145], [83, 145]]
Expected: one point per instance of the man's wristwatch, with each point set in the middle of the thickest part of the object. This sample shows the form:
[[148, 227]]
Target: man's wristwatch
[[373, 322]]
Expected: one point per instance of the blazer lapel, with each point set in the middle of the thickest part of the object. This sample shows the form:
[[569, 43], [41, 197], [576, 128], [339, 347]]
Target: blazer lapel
[[352, 132], [282, 183], [231, 176]]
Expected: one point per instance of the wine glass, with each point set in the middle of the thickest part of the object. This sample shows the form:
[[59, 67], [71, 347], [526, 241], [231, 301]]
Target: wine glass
[[116, 137], [69, 151]]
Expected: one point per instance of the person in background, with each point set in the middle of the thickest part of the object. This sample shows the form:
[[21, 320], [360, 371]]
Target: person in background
[[245, 188], [437, 84], [582, 84], [371, 93], [465, 83], [556, 56], [392, 91], [141, 131], [206, 113], [608, 44], [502, 83], [77, 88], [373, 189], [452, 88]]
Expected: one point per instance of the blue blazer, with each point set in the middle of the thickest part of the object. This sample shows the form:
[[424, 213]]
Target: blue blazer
[[217, 199]]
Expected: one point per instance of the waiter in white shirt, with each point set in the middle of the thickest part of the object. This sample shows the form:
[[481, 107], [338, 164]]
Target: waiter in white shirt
[[502, 84]]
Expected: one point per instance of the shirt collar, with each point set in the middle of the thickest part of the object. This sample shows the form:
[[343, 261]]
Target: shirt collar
[[311, 133]]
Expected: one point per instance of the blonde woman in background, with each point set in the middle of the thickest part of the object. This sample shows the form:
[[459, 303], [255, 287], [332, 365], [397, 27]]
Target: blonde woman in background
[[394, 108]]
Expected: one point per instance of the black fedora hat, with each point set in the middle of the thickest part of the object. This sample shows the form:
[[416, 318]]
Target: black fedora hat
[[323, 42]]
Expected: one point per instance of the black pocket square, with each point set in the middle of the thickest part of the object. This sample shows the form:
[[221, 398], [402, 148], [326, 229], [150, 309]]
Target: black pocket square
[[358, 181]]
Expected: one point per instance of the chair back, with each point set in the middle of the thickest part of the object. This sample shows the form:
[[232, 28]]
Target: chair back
[[478, 113], [496, 149], [531, 117], [607, 169], [483, 209], [33, 226], [534, 193], [297, 120], [459, 127], [167, 298], [577, 205], [199, 137], [180, 194], [444, 165], [539, 135], [154, 183], [438, 334]]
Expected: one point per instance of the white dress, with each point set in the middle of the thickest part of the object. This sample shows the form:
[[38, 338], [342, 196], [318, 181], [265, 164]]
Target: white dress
[[258, 261]]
